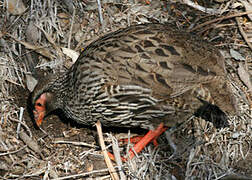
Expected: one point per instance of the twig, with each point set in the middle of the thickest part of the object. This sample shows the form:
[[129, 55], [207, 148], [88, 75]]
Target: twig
[[21, 113], [22, 123], [82, 174], [39, 49], [75, 143], [31, 143], [117, 155], [51, 41], [225, 8], [220, 19], [201, 8], [243, 33], [128, 145], [2, 120], [112, 171], [71, 30], [100, 13], [13, 152]]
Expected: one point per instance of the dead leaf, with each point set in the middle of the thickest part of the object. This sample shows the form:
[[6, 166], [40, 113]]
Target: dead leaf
[[31, 82], [236, 55], [30, 142], [32, 33], [39, 49], [51, 40], [245, 77], [15, 7], [248, 7], [71, 53], [64, 20]]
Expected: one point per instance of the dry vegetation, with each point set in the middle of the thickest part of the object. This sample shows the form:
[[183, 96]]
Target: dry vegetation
[[40, 37]]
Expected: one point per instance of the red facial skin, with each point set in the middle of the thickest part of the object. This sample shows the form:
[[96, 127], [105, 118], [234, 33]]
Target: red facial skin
[[40, 109]]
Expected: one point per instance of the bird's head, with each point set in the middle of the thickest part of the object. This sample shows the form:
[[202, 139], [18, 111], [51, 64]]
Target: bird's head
[[42, 106], [44, 99]]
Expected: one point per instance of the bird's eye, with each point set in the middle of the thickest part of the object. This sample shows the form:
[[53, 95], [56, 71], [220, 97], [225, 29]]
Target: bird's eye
[[38, 104]]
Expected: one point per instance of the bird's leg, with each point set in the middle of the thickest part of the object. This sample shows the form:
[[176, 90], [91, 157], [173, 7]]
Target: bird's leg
[[133, 140], [136, 139], [150, 136]]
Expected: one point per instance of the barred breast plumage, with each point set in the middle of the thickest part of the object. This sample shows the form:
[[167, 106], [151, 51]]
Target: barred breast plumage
[[140, 76]]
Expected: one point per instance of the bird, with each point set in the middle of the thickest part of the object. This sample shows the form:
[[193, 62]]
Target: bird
[[152, 76]]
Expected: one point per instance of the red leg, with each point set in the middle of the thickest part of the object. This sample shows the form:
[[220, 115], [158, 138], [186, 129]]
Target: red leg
[[150, 136], [112, 157], [133, 140]]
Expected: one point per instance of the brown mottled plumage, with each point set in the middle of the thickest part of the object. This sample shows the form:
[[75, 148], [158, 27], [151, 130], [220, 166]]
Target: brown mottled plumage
[[140, 76]]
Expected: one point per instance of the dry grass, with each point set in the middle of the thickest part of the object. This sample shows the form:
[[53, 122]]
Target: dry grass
[[38, 35]]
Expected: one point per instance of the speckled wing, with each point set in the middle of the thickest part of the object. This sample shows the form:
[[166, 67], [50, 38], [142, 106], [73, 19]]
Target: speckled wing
[[146, 73]]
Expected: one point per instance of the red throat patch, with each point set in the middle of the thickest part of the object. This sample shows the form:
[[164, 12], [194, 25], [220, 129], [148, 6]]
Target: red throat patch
[[40, 109]]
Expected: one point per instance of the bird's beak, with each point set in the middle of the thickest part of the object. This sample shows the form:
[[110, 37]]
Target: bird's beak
[[38, 116]]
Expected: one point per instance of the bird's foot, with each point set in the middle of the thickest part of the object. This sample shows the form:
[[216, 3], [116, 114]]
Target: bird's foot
[[151, 136], [136, 139], [132, 140]]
